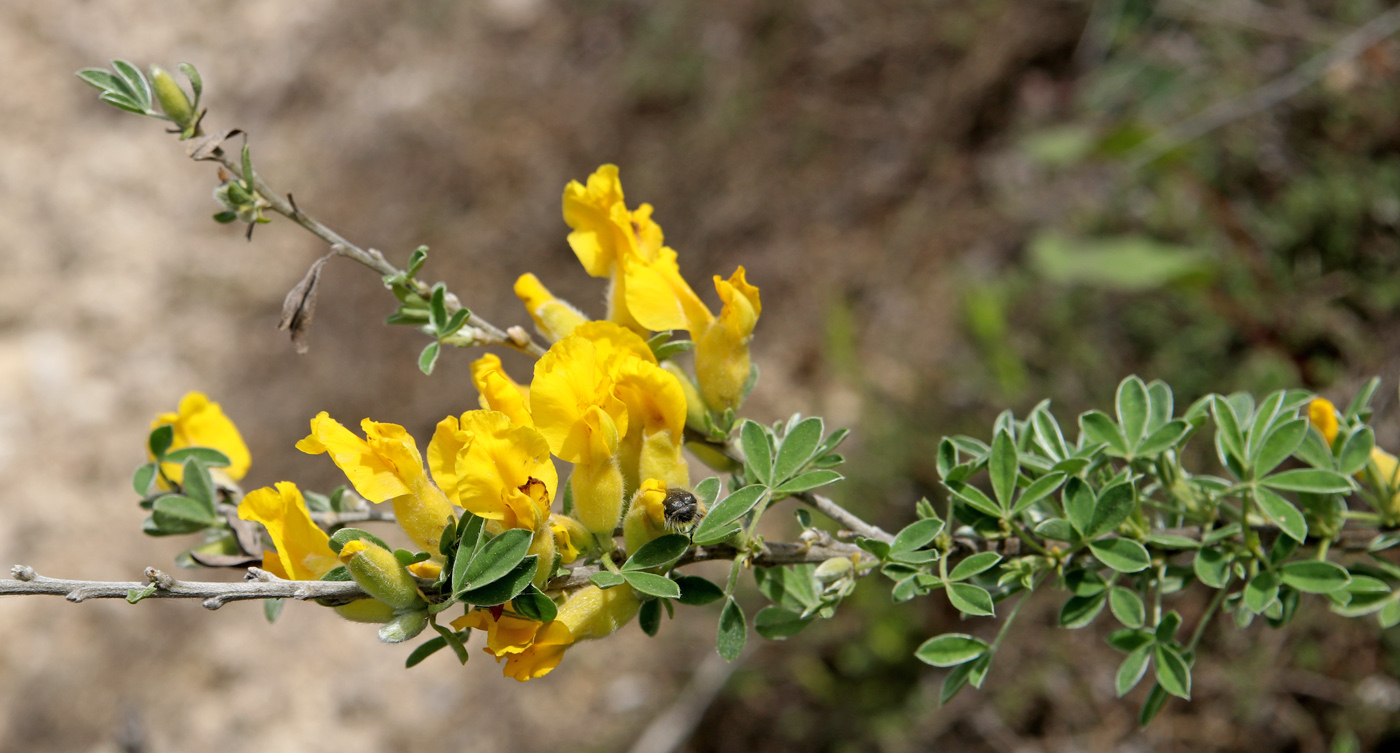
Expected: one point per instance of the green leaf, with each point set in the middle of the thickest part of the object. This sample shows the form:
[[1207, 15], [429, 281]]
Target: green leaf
[[1123, 555], [427, 360], [947, 458], [697, 591], [1212, 567], [504, 588], [778, 623], [1047, 432], [791, 587], [973, 565], [807, 482], [1079, 503], [1171, 541], [424, 650], [797, 448], [1173, 673], [971, 600], [497, 558], [1081, 610], [1315, 480], [973, 497], [950, 649], [196, 83], [1261, 591], [729, 510], [649, 617], [455, 322], [1126, 262], [917, 535], [272, 609], [1159, 397], [1132, 406], [1164, 438], [1264, 418], [1281, 513], [1356, 453], [144, 478], [533, 604], [1003, 465], [1132, 669], [99, 79], [225, 217], [1097, 427], [437, 308], [1280, 444], [448, 537], [346, 535], [1038, 490], [176, 513], [197, 484], [122, 103], [1227, 427], [136, 84], [758, 454], [733, 631], [135, 595], [469, 543], [1056, 529], [1113, 506], [1155, 700], [1129, 641], [1127, 606], [652, 584], [707, 491], [606, 579], [658, 552], [160, 440], [1315, 577], [206, 455]]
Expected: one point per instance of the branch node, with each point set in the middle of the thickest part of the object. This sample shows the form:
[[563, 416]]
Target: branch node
[[23, 572], [214, 602], [259, 575], [160, 579], [519, 336], [77, 595]]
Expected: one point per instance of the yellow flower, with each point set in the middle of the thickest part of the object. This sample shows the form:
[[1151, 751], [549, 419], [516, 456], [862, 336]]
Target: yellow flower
[[1323, 415], [722, 352], [606, 236], [532, 653], [554, 318], [661, 299], [303, 549], [385, 466], [646, 516], [495, 468], [656, 413], [1384, 468], [573, 405], [201, 423], [499, 391], [570, 537]]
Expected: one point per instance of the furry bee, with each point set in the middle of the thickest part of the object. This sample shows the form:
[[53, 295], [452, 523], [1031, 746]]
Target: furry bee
[[681, 510]]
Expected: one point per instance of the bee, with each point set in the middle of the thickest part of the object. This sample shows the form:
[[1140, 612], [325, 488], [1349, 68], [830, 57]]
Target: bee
[[681, 510]]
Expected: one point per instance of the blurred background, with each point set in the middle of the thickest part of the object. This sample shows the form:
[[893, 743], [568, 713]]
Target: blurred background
[[951, 208]]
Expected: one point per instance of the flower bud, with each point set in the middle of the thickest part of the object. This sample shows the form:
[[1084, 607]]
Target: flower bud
[[366, 610], [172, 98], [380, 574], [554, 318], [598, 496], [405, 627]]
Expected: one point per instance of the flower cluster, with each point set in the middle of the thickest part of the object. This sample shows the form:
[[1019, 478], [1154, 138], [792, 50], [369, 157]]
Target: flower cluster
[[600, 399]]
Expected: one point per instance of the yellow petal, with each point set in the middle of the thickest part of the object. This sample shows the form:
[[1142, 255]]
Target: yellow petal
[[496, 468], [303, 549], [554, 318], [570, 380], [588, 211], [200, 422], [543, 655], [447, 443], [374, 476], [660, 298], [722, 363], [1323, 416], [499, 392]]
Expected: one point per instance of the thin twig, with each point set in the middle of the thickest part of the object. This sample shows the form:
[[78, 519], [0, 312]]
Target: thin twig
[[1270, 94], [260, 584], [488, 333]]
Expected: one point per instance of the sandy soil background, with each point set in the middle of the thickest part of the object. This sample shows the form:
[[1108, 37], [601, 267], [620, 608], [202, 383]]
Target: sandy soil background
[[832, 148]]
